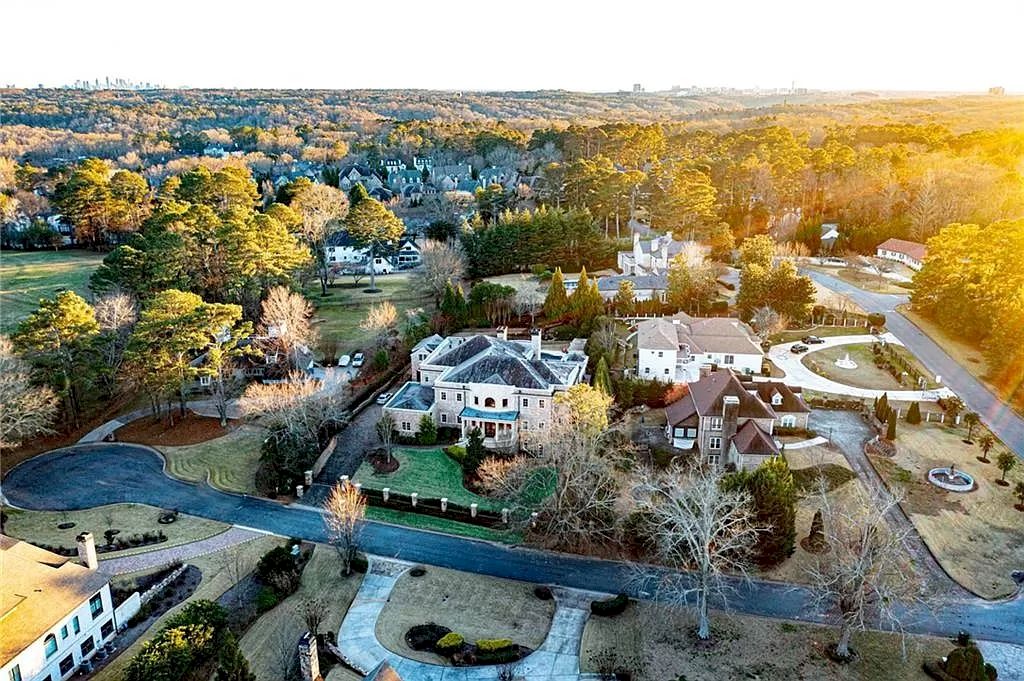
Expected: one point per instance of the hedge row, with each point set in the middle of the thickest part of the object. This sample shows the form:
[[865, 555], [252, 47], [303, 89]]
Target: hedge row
[[611, 607]]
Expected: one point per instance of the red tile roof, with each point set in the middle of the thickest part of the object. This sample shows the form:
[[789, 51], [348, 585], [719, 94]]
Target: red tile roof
[[909, 248]]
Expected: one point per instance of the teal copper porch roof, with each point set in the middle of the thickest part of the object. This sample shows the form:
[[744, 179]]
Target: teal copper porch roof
[[471, 413]]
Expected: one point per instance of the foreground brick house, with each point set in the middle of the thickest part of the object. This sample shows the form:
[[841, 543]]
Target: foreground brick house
[[731, 422]]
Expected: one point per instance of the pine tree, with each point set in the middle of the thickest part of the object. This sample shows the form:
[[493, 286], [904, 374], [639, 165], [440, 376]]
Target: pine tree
[[475, 451], [625, 298], [890, 430], [602, 379], [232, 664], [882, 408], [914, 413], [556, 301]]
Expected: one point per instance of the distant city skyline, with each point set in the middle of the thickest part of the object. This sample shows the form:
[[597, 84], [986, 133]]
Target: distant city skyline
[[875, 45]]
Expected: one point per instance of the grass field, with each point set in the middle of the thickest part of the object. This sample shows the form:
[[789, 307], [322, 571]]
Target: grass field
[[473, 605], [230, 461], [975, 536], [25, 277], [41, 526], [220, 570], [822, 331], [655, 644], [866, 375], [870, 282], [269, 643], [970, 357], [421, 521], [340, 313], [429, 472]]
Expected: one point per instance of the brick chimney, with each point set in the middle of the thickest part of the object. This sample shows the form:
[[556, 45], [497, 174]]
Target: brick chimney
[[502, 332], [730, 416], [309, 661], [87, 550], [705, 370]]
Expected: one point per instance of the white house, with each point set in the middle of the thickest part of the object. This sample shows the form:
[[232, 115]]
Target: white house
[[505, 388], [656, 258], [910, 253], [829, 236], [54, 613], [675, 348], [343, 253], [356, 173]]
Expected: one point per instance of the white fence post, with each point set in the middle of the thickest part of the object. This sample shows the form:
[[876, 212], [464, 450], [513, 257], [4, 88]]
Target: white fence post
[[386, 492], [413, 497]]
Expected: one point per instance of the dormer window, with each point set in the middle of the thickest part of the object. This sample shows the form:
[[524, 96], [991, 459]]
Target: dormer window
[[776, 399]]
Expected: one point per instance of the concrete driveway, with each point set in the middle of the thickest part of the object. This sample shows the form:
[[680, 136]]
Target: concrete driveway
[[1004, 422], [799, 374]]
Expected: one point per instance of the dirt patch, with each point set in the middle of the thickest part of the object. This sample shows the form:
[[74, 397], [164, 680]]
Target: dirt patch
[[190, 430], [921, 497]]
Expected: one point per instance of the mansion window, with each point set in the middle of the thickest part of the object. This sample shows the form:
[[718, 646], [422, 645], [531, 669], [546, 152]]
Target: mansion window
[[504, 401], [50, 645], [67, 664], [15, 674], [64, 632], [107, 629], [444, 396], [713, 459], [458, 397], [729, 359], [406, 425], [647, 370], [788, 421], [88, 645], [96, 605], [489, 402], [526, 402], [74, 624], [476, 400], [776, 399], [716, 423], [666, 370], [541, 402], [660, 353], [444, 418], [715, 443]]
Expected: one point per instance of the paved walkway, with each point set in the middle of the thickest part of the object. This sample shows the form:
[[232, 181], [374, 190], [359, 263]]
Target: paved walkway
[[100, 432], [150, 560], [798, 374], [556, 660], [804, 444], [1007, 425]]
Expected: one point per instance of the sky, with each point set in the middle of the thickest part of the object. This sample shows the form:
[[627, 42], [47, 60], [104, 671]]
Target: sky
[[936, 45]]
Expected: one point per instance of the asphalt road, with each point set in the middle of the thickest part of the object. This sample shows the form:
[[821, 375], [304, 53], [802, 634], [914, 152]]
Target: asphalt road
[[1003, 421], [84, 476]]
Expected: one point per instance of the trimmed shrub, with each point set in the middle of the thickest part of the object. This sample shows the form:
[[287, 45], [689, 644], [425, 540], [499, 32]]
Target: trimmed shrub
[[456, 452], [543, 593], [490, 645], [450, 642], [914, 413], [876, 319], [360, 564], [611, 607], [266, 599], [502, 656]]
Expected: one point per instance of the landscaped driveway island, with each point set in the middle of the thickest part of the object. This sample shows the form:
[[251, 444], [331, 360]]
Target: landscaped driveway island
[[84, 476]]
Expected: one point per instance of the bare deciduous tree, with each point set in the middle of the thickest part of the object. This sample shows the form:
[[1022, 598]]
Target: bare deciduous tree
[[313, 610], [296, 405], [116, 313], [499, 475], [387, 429], [381, 320], [767, 322], [322, 209], [867, 575], [26, 410], [697, 526], [344, 510], [286, 320], [441, 262]]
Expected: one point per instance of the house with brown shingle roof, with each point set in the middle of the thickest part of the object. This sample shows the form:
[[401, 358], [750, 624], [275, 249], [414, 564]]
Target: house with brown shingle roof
[[54, 613], [910, 253], [727, 421]]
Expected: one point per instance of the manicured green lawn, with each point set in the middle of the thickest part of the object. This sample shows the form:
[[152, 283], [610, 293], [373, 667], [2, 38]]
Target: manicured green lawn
[[229, 461], [421, 521], [25, 277], [866, 375], [428, 472], [822, 331], [341, 312]]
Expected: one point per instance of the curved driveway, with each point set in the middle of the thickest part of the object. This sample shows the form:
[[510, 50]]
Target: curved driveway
[[797, 373], [84, 476], [1007, 425]]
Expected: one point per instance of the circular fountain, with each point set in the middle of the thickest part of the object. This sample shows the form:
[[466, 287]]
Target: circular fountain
[[951, 479], [845, 362]]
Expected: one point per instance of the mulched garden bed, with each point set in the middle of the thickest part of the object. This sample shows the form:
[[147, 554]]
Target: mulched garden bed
[[379, 460], [190, 430]]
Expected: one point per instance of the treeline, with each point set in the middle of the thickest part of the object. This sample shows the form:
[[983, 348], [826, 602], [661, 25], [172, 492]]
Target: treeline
[[515, 242], [972, 284]]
